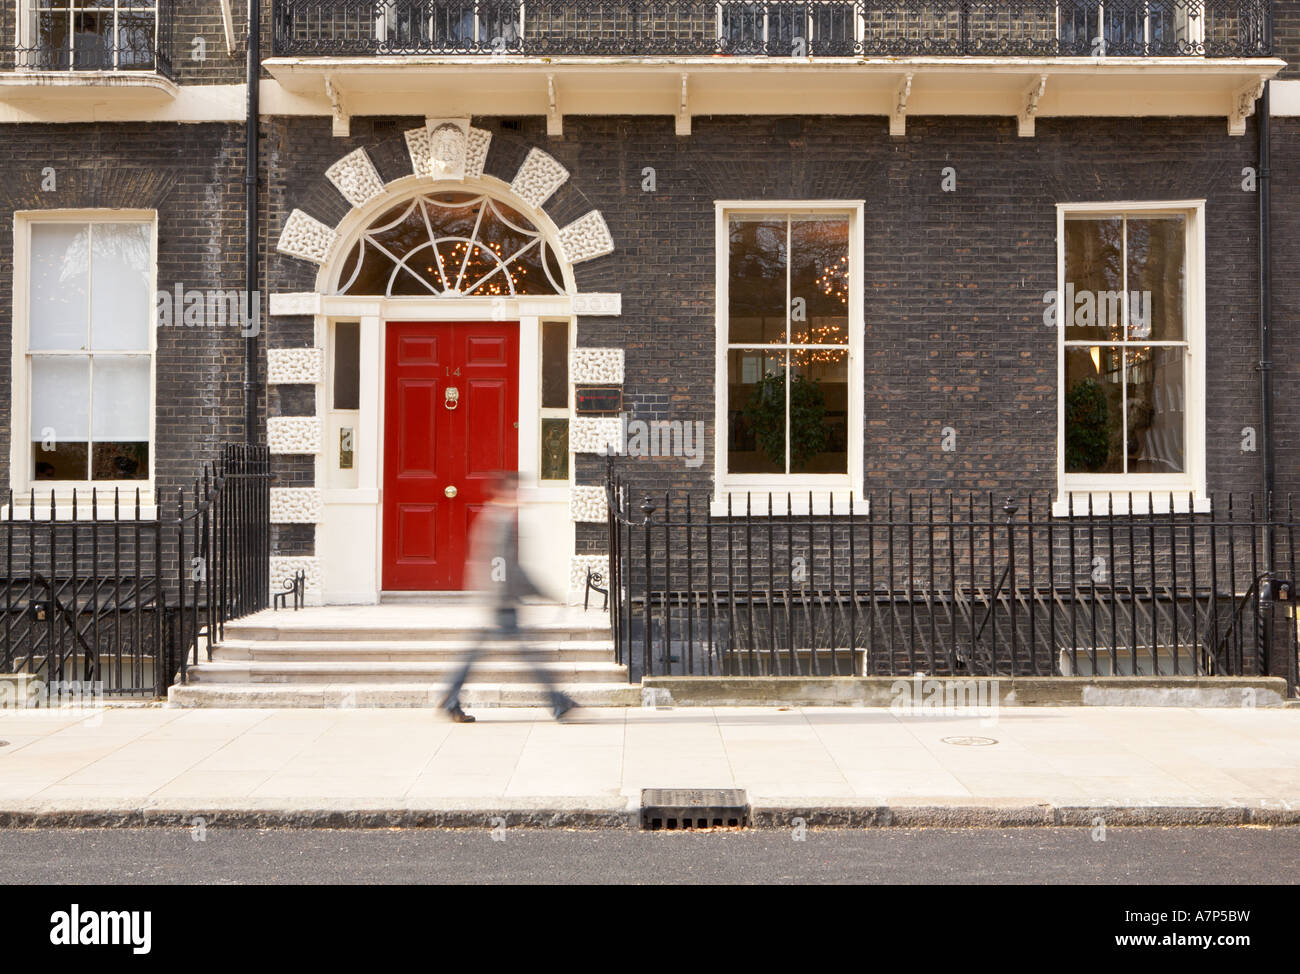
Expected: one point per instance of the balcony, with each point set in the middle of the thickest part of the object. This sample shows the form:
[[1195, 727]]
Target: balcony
[[778, 28], [68, 50], [688, 57]]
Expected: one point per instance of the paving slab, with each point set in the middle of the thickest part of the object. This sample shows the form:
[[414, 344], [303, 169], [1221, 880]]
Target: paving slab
[[842, 765]]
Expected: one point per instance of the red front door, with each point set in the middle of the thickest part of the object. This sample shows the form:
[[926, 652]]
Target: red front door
[[451, 406]]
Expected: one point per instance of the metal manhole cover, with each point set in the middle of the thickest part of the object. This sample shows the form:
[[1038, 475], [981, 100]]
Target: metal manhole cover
[[970, 741], [694, 808]]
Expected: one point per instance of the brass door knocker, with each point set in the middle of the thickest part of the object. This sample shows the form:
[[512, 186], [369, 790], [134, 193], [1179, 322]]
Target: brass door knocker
[[451, 397]]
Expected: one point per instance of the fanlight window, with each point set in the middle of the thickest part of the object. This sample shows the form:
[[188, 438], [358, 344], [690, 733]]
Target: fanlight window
[[451, 244]]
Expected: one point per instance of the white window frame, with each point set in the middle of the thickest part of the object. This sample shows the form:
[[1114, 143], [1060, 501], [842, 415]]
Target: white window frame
[[25, 33], [556, 412], [21, 475], [1110, 492], [824, 488]]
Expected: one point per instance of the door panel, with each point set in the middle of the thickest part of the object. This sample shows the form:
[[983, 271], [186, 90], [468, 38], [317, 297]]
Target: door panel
[[435, 440]]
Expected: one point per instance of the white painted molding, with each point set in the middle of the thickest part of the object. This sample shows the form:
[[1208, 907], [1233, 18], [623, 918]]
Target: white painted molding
[[610, 305], [296, 505], [356, 178], [682, 124], [292, 366], [898, 117], [1243, 105], [588, 504], [554, 117], [595, 434], [1030, 110], [294, 435], [539, 176], [586, 238], [342, 124], [295, 303], [306, 238], [1284, 98], [596, 365]]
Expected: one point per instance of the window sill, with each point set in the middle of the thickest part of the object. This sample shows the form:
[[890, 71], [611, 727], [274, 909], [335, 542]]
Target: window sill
[[772, 500], [1117, 502]]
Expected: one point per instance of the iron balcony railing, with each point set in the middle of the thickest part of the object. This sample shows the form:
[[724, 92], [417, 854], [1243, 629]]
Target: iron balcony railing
[[777, 28], [78, 35], [950, 584], [118, 603]]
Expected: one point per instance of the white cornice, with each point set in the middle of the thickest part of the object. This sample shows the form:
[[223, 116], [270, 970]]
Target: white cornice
[[467, 87]]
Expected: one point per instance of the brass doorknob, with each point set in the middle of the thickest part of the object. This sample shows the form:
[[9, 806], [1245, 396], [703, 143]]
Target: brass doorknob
[[450, 490]]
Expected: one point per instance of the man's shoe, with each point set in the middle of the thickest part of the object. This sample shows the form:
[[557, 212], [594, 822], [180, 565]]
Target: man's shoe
[[564, 706], [458, 715]]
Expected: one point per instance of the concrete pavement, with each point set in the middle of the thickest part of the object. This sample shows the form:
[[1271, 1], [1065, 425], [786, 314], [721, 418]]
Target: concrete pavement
[[851, 766]]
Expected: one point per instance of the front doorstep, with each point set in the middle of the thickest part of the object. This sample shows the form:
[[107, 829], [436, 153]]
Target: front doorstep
[[969, 694]]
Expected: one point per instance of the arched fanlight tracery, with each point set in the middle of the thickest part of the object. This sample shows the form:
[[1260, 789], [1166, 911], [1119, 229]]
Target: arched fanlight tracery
[[451, 245]]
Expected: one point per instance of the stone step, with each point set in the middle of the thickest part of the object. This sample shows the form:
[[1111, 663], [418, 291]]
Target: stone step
[[409, 651], [334, 696], [385, 671], [442, 630]]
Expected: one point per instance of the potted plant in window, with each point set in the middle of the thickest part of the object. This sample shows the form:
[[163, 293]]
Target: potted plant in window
[[765, 416]]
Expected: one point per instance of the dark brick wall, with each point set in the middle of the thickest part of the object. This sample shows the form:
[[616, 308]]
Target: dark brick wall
[[192, 176], [1285, 216], [954, 282], [1286, 35]]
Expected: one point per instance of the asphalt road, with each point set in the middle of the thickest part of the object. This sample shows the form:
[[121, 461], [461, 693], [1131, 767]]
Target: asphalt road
[[1247, 855]]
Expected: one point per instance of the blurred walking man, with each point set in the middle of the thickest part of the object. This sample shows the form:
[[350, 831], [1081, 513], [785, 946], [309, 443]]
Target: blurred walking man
[[494, 570]]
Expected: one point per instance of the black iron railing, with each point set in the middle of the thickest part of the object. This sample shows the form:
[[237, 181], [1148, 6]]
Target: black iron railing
[[111, 598], [777, 28], [63, 36], [948, 583]]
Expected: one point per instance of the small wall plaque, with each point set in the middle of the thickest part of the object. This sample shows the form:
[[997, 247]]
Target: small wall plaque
[[598, 400]]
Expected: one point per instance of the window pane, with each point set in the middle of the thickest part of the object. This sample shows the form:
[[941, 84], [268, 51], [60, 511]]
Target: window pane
[[1156, 278], [1155, 410], [53, 39], [120, 304], [60, 424], [555, 449], [756, 308], [819, 275], [92, 41], [120, 418], [756, 420], [135, 39], [819, 412], [1092, 306], [60, 280], [1094, 434], [555, 365], [742, 28], [347, 365], [61, 398]]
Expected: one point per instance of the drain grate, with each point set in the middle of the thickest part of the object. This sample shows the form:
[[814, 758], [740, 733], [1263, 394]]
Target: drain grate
[[694, 808]]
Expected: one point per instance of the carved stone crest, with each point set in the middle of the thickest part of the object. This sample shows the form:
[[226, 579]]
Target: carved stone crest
[[448, 147]]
